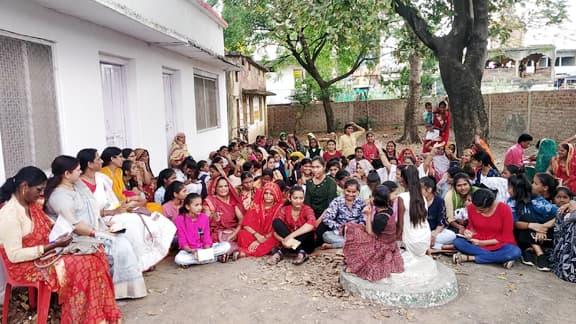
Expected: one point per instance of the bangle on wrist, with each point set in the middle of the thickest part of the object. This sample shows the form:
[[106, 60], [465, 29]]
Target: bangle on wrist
[[92, 233]]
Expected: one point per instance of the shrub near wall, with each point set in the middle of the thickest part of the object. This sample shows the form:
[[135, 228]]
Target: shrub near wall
[[540, 113]]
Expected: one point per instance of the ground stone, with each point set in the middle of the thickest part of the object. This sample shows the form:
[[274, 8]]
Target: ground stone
[[440, 290]]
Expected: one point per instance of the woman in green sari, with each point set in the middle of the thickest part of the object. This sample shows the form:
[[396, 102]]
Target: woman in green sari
[[547, 149], [456, 201]]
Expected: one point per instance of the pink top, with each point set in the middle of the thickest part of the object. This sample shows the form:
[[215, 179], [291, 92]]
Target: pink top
[[514, 155], [169, 210], [194, 234]]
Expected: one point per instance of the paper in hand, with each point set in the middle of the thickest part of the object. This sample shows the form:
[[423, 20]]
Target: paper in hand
[[293, 243], [205, 254]]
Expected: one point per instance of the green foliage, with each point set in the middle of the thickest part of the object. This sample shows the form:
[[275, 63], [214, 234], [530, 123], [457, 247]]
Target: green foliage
[[429, 77], [366, 122], [327, 38], [505, 16], [303, 95], [240, 34]]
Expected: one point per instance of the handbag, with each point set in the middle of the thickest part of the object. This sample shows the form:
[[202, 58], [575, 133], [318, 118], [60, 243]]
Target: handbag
[[82, 245]]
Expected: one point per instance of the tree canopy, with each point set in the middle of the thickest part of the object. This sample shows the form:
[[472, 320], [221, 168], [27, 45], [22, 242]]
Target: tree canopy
[[329, 39], [457, 32]]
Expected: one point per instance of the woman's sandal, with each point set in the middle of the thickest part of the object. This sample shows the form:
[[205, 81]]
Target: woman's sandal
[[223, 258], [459, 258], [275, 258], [300, 258], [235, 255]]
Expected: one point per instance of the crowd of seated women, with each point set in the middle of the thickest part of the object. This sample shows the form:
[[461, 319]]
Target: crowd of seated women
[[281, 198], [278, 199]]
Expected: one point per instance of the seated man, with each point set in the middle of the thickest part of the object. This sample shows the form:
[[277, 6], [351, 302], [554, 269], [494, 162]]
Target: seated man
[[343, 209], [515, 154]]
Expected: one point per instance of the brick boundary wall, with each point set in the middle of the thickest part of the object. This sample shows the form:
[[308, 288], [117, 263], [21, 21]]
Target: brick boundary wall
[[540, 113]]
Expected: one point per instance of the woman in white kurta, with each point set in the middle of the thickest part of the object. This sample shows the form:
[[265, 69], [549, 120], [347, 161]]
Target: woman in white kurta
[[416, 234], [150, 233], [73, 206]]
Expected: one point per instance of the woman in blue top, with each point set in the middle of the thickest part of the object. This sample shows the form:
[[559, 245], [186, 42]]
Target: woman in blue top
[[485, 167], [442, 237], [533, 221], [343, 209]]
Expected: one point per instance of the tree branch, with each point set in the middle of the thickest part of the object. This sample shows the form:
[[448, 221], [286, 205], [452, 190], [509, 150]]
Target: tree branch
[[476, 47], [319, 48], [310, 63], [418, 25], [359, 60], [463, 20], [304, 62]]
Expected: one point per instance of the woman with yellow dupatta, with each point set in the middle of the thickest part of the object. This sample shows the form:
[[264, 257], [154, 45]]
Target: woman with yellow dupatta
[[178, 150], [150, 234]]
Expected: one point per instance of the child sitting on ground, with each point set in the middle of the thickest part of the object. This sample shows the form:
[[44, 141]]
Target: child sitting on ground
[[193, 229]]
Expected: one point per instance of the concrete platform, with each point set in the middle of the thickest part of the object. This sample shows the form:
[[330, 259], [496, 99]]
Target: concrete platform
[[440, 290]]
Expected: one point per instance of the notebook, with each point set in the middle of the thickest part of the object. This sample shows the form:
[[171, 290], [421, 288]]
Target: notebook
[[205, 254]]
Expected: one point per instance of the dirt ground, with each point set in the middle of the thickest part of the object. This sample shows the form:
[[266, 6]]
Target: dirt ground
[[249, 291]]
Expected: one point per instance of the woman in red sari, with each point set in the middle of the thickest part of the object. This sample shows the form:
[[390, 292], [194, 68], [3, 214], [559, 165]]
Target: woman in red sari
[[563, 166], [83, 282], [404, 153], [256, 237], [224, 208]]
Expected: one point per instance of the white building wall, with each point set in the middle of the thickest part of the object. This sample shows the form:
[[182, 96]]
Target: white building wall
[[197, 25], [282, 83], [76, 53]]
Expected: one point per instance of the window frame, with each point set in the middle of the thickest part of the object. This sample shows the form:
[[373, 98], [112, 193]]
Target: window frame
[[57, 104], [200, 74]]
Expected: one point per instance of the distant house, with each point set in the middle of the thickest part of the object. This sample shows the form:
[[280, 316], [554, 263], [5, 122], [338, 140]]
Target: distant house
[[92, 73], [247, 109], [283, 83]]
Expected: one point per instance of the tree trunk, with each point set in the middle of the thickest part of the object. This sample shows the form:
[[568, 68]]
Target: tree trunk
[[461, 73], [466, 103], [414, 91], [330, 124]]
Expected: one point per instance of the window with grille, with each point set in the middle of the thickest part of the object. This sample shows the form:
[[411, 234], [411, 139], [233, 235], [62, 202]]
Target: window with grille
[[206, 93], [28, 113]]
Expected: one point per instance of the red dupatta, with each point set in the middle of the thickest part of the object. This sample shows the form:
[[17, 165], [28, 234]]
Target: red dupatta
[[223, 214], [85, 289], [404, 151], [26, 271], [259, 218]]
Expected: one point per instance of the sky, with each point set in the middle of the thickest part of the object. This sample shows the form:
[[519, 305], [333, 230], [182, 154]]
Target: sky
[[563, 37]]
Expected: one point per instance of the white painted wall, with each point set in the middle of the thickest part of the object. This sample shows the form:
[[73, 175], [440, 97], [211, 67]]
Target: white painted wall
[[76, 52], [282, 84], [171, 13]]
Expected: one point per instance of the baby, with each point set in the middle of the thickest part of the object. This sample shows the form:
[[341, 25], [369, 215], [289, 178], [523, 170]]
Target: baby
[[461, 214]]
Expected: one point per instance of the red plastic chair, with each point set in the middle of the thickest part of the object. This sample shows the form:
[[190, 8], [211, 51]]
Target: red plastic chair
[[41, 302]]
